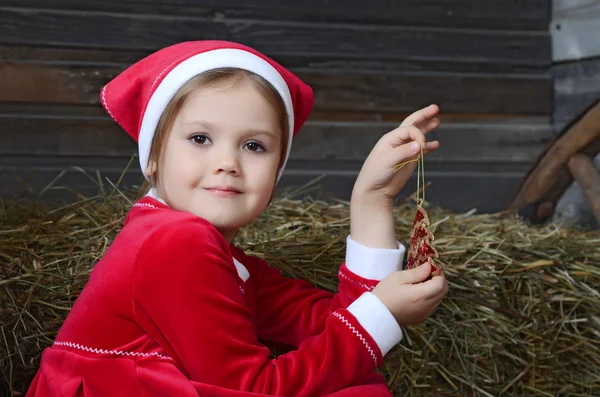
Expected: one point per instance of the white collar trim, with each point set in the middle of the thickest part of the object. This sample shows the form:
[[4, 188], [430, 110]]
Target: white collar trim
[[241, 269], [154, 194]]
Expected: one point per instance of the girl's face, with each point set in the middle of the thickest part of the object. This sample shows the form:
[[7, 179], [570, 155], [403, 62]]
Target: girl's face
[[221, 156]]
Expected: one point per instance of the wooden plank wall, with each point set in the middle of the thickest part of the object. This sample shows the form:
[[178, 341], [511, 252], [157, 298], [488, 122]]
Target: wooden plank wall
[[486, 63], [576, 88], [575, 28]]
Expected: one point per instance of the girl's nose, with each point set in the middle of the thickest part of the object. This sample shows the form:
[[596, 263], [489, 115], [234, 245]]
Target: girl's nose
[[227, 162]]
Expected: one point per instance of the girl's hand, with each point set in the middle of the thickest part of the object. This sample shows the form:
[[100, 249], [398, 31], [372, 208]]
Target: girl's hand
[[377, 184], [409, 297]]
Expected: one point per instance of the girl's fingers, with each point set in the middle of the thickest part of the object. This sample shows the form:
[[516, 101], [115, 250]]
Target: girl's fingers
[[416, 126], [421, 115], [401, 135], [429, 125], [404, 153], [429, 290], [415, 275], [408, 152], [431, 147]]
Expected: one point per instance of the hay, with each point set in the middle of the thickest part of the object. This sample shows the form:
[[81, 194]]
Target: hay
[[522, 316]]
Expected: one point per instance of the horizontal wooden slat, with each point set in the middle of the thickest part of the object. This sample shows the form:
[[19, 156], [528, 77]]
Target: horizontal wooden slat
[[460, 188], [119, 57], [95, 111], [334, 90], [488, 14], [452, 92], [143, 32], [512, 139], [470, 141], [577, 86]]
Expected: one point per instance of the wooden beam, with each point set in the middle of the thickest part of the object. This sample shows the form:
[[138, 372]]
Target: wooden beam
[[341, 62], [335, 90], [88, 131], [543, 174], [488, 14], [585, 173], [456, 187], [66, 28]]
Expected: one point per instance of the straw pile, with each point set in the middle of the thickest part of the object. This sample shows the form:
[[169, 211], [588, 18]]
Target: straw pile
[[522, 316]]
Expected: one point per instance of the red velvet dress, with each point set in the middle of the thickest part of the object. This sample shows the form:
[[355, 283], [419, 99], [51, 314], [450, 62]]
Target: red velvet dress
[[173, 310]]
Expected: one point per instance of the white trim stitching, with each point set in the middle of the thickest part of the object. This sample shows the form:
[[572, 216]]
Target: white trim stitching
[[360, 336], [167, 68], [145, 205], [114, 352], [365, 286], [103, 98]]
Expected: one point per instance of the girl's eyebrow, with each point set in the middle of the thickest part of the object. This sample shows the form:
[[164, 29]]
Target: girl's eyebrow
[[211, 127], [255, 131], [199, 123]]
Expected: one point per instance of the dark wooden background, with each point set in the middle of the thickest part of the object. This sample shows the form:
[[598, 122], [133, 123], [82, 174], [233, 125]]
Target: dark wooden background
[[486, 63]]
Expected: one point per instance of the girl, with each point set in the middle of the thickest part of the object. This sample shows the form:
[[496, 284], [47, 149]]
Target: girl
[[174, 308]]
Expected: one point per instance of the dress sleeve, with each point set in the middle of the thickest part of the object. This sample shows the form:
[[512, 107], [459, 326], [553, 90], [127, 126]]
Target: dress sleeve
[[187, 297], [373, 263], [291, 310]]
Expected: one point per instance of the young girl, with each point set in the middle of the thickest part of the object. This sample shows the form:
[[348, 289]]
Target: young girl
[[174, 308]]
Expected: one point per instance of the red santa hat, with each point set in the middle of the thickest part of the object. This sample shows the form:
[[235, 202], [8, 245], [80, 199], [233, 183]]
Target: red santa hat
[[136, 98]]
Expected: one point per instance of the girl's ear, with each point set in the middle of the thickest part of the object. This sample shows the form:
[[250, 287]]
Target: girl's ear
[[151, 168]]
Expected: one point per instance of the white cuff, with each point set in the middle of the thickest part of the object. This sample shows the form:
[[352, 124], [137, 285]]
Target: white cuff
[[377, 320], [373, 263]]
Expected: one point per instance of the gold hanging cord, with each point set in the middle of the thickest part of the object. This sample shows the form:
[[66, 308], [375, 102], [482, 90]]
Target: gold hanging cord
[[420, 175]]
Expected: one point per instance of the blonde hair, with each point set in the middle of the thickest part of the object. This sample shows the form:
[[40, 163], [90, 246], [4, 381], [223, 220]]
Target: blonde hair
[[215, 78]]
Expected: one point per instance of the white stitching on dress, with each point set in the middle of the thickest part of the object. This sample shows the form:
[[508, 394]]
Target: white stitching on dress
[[115, 352], [365, 286], [145, 205], [357, 333]]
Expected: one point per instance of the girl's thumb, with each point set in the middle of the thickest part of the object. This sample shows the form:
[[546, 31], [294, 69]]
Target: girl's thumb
[[416, 274]]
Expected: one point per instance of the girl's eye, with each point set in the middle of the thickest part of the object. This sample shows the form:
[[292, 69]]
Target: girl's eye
[[254, 147], [200, 139]]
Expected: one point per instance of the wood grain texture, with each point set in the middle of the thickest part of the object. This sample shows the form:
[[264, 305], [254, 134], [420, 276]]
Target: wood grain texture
[[576, 86], [457, 187], [488, 14], [484, 62], [66, 28], [29, 130], [584, 171], [542, 177], [334, 90], [120, 57]]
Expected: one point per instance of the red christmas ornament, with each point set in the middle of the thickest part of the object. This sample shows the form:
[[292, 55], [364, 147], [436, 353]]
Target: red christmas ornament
[[421, 249]]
